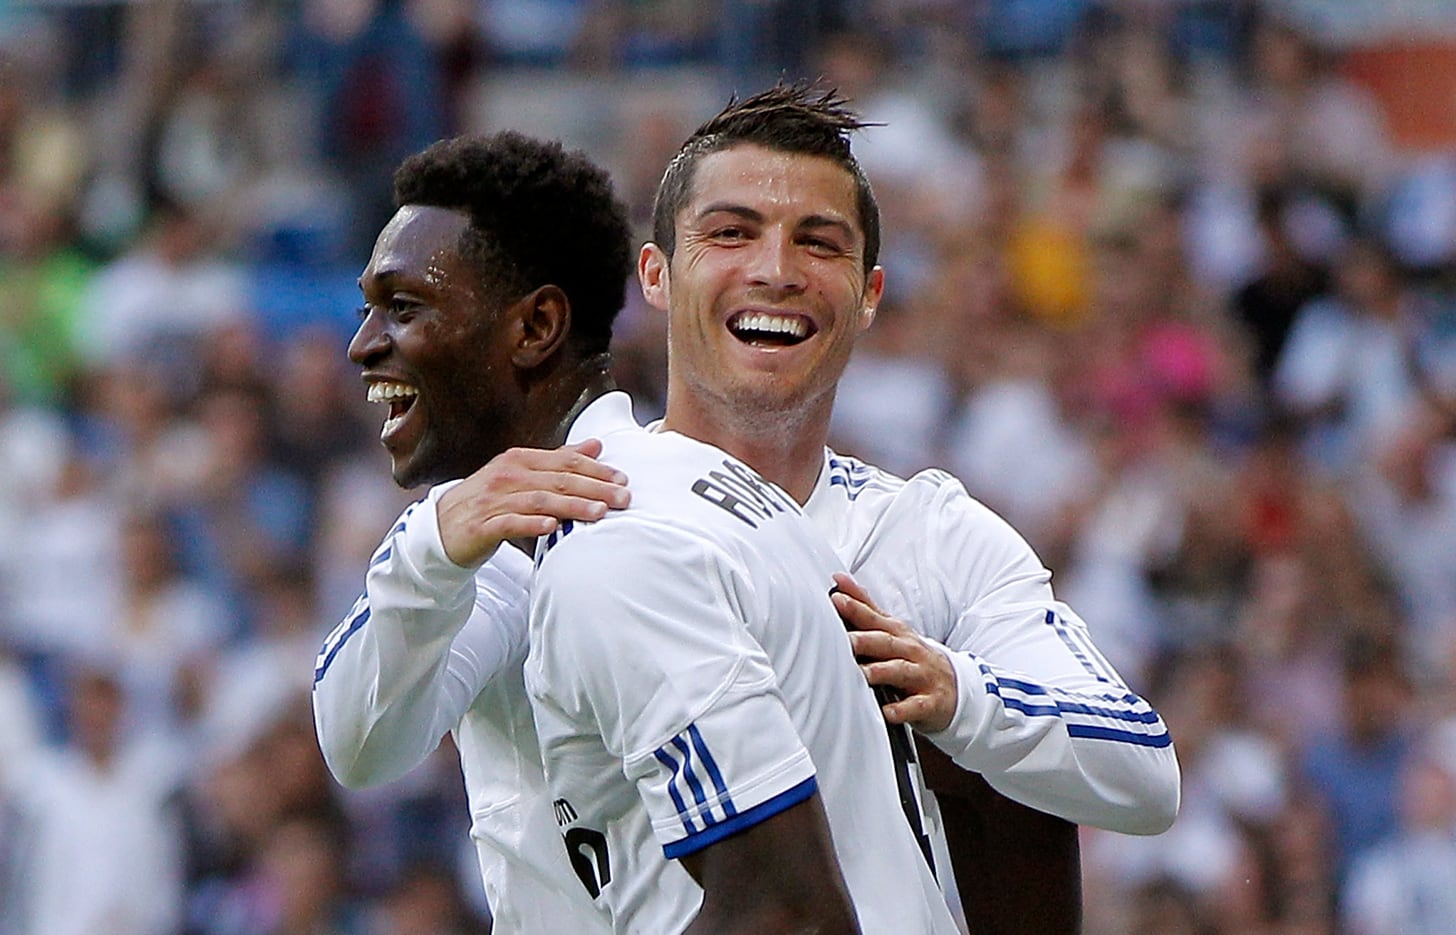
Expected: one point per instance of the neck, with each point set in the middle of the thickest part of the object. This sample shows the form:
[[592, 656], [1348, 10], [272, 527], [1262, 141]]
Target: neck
[[564, 395], [562, 399], [785, 447]]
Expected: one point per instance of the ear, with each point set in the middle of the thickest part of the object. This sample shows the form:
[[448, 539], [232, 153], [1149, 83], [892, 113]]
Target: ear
[[652, 273], [543, 320], [874, 290]]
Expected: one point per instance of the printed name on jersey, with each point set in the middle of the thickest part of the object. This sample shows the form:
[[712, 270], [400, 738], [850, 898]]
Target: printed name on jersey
[[743, 493]]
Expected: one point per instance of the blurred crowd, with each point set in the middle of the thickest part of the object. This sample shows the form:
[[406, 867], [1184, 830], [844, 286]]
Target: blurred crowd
[[1164, 288]]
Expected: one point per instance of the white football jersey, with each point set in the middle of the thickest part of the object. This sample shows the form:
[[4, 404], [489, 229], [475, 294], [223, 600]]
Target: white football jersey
[[690, 678], [432, 648]]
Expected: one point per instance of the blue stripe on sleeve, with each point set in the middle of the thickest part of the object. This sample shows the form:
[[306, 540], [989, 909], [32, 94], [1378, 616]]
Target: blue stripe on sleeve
[[1124, 736], [353, 627], [677, 800], [1056, 703], [742, 821], [399, 526], [692, 778], [716, 775]]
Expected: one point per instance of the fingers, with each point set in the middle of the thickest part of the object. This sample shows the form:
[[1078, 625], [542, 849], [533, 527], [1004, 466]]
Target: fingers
[[589, 504], [591, 447], [847, 585], [921, 675], [579, 459], [863, 616], [915, 710], [524, 493], [883, 644], [551, 481]]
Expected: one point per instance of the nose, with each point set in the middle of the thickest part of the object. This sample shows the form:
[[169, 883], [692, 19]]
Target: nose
[[370, 341], [775, 263]]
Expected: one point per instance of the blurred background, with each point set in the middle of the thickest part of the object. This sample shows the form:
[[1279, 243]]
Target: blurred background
[[1171, 285]]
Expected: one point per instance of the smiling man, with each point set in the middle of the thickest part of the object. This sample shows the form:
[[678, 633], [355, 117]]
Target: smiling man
[[712, 759], [765, 258]]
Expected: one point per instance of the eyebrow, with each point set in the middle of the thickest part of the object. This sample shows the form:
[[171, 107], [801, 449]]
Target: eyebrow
[[813, 221], [728, 207], [385, 278]]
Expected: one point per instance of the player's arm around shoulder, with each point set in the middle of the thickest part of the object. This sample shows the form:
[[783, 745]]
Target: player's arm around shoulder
[[376, 698], [444, 609], [638, 635]]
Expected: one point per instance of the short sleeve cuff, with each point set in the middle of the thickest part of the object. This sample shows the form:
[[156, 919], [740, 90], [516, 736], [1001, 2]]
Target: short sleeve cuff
[[719, 775], [742, 820]]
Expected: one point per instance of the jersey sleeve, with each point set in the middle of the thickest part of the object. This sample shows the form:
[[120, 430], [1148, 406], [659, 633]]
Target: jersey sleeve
[[641, 639], [415, 650], [1040, 713]]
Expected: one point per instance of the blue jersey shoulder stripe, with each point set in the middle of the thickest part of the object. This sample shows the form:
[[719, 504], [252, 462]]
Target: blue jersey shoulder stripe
[[678, 755], [387, 547], [327, 657], [399, 526], [743, 820], [858, 472]]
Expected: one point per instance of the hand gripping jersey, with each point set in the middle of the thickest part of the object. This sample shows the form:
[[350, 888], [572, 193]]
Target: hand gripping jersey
[[690, 678], [1040, 713]]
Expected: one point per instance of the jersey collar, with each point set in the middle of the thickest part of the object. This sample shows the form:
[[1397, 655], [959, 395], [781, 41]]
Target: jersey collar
[[610, 412]]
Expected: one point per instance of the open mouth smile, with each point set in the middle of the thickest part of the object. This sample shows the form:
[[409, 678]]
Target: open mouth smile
[[399, 396], [771, 329]]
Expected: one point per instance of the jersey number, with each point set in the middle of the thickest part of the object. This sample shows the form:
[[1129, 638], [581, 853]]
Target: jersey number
[[588, 852]]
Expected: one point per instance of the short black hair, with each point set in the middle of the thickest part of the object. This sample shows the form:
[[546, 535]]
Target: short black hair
[[789, 118], [539, 215]]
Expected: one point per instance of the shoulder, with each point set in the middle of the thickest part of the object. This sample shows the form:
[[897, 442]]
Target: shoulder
[[931, 500], [859, 482], [628, 560], [682, 482]]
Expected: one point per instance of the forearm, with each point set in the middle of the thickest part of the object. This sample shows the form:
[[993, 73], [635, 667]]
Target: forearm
[[1094, 757], [400, 671]]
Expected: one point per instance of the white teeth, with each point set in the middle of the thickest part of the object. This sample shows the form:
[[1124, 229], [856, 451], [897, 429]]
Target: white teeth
[[384, 392], [773, 324]]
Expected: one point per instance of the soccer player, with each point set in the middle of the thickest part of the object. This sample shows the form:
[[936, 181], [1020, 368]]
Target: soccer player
[[703, 723], [765, 244]]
